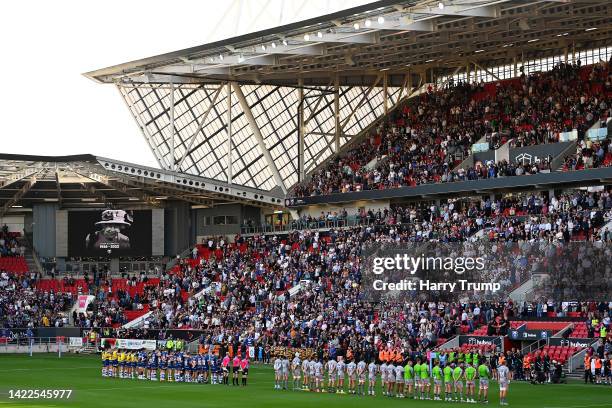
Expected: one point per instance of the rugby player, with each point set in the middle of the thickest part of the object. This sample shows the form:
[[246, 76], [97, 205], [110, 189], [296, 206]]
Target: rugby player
[[305, 371], [372, 371], [504, 381], [285, 371], [436, 373], [470, 378], [425, 381], [296, 363], [278, 373], [409, 379], [351, 370], [331, 375], [361, 376], [448, 382], [458, 376], [340, 368], [399, 380], [484, 374], [390, 379]]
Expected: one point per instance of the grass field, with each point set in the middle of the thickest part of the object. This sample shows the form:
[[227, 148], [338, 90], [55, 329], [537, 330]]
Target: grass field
[[82, 374]]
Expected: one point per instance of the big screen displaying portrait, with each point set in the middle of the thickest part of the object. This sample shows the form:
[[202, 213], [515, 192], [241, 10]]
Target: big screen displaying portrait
[[109, 233]]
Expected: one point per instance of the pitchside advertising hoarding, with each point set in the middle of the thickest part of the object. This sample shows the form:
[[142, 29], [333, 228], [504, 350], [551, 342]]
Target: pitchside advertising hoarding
[[109, 232], [571, 342], [529, 335], [484, 271]]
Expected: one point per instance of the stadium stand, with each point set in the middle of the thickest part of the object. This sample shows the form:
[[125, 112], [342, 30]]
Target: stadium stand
[[421, 144]]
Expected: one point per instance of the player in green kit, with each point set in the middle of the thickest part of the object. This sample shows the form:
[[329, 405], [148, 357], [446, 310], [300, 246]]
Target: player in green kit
[[436, 373], [448, 382], [425, 383], [470, 377], [417, 378], [484, 374], [409, 379], [458, 382]]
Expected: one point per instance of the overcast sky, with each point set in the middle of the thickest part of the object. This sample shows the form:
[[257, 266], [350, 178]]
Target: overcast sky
[[48, 108]]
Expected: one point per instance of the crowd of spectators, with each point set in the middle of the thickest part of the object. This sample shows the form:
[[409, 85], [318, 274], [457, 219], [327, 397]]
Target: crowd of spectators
[[304, 289], [241, 290], [590, 155], [425, 141], [9, 245], [21, 305]]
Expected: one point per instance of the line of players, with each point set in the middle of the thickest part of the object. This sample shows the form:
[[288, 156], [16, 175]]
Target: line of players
[[413, 380], [175, 366]]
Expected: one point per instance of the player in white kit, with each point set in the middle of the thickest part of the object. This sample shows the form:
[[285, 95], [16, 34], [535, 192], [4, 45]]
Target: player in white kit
[[503, 374], [305, 376], [278, 373], [285, 369], [296, 363], [318, 375], [331, 375], [399, 380], [383, 377], [311, 374], [390, 379], [372, 371], [351, 370], [340, 368], [361, 377]]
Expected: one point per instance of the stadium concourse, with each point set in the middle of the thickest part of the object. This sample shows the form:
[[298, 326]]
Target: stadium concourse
[[284, 157]]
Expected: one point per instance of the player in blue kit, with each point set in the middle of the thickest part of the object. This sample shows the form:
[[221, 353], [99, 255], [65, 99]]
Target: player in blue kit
[[141, 364], [178, 367], [152, 367], [163, 366], [187, 368], [206, 367]]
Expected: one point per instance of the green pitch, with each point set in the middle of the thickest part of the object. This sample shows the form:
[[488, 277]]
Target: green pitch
[[82, 374]]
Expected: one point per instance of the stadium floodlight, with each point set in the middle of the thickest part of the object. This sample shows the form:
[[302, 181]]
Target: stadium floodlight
[[263, 47], [381, 20], [591, 29], [273, 45], [356, 26], [306, 37], [533, 40], [368, 23], [441, 6], [319, 34], [221, 57], [241, 58], [285, 43]]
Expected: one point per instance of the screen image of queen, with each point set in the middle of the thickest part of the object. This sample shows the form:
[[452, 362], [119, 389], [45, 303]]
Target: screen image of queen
[[111, 231]]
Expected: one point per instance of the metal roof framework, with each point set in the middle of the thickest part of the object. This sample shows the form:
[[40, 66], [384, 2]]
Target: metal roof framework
[[89, 181], [265, 109]]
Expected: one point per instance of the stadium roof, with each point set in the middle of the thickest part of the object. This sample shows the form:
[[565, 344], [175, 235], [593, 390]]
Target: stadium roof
[[89, 181], [300, 92]]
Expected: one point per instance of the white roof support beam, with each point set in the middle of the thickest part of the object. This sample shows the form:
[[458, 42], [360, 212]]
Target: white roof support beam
[[458, 11], [200, 125], [258, 136], [348, 38], [406, 24], [20, 174], [17, 196]]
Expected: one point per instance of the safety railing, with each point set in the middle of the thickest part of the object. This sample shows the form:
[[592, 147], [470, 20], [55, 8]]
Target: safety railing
[[298, 225]]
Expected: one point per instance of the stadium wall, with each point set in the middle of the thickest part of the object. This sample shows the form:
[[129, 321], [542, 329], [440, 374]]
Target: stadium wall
[[177, 224], [237, 213], [45, 229]]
